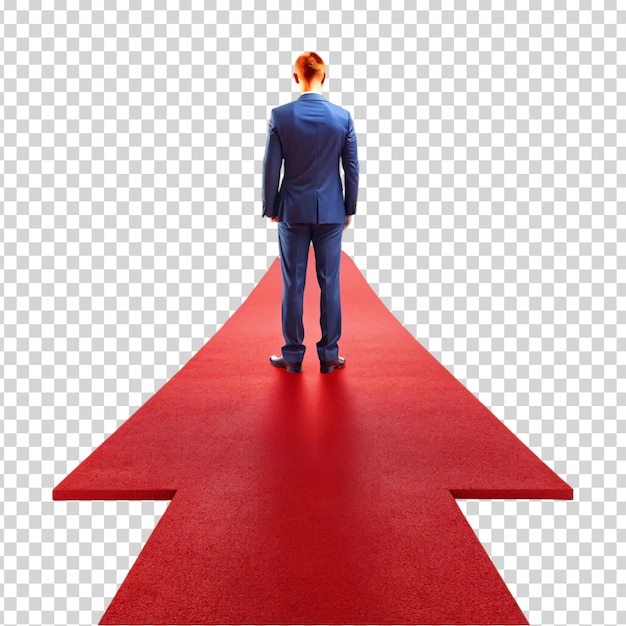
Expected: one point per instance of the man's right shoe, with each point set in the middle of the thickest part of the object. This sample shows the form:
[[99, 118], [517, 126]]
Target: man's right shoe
[[279, 361], [326, 367]]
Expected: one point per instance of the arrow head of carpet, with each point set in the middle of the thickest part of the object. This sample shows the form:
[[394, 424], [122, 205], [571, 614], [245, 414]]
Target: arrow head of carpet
[[308, 498]]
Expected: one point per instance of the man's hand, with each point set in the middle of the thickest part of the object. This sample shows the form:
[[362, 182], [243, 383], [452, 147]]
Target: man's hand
[[347, 222], [274, 219]]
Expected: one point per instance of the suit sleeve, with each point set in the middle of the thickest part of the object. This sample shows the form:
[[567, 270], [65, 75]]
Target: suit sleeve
[[272, 162], [350, 164]]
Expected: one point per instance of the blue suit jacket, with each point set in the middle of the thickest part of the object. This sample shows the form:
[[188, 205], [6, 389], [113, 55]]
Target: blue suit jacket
[[311, 135]]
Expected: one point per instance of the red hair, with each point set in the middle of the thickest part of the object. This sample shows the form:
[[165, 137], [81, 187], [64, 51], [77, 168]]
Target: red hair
[[310, 66]]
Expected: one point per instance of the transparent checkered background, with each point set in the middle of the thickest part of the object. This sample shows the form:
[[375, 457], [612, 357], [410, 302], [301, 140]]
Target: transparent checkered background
[[492, 140]]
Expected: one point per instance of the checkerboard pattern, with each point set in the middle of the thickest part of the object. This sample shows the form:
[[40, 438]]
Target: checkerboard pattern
[[492, 139]]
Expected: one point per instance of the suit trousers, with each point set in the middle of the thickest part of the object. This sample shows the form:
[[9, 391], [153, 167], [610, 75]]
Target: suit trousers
[[294, 242]]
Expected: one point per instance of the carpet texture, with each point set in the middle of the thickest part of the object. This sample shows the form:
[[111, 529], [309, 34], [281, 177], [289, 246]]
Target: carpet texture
[[309, 498]]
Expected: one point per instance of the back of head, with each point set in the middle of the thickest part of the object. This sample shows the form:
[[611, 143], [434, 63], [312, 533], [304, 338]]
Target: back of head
[[310, 67]]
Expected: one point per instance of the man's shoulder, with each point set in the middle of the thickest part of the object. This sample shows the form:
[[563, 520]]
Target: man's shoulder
[[334, 106], [293, 106], [304, 98], [284, 107]]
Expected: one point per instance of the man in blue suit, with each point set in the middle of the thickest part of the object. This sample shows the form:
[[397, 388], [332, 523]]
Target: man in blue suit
[[310, 137]]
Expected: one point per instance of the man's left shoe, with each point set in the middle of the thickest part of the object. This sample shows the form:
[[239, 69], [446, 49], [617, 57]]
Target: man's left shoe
[[326, 367], [279, 361]]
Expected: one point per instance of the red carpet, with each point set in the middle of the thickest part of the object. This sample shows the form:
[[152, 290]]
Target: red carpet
[[309, 498]]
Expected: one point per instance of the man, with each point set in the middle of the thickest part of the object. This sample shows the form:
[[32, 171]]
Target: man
[[311, 136]]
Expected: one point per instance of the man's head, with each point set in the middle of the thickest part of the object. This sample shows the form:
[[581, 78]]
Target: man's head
[[310, 72]]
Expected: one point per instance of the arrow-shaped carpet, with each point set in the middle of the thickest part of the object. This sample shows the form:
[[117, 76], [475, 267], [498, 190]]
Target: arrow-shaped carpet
[[310, 498]]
